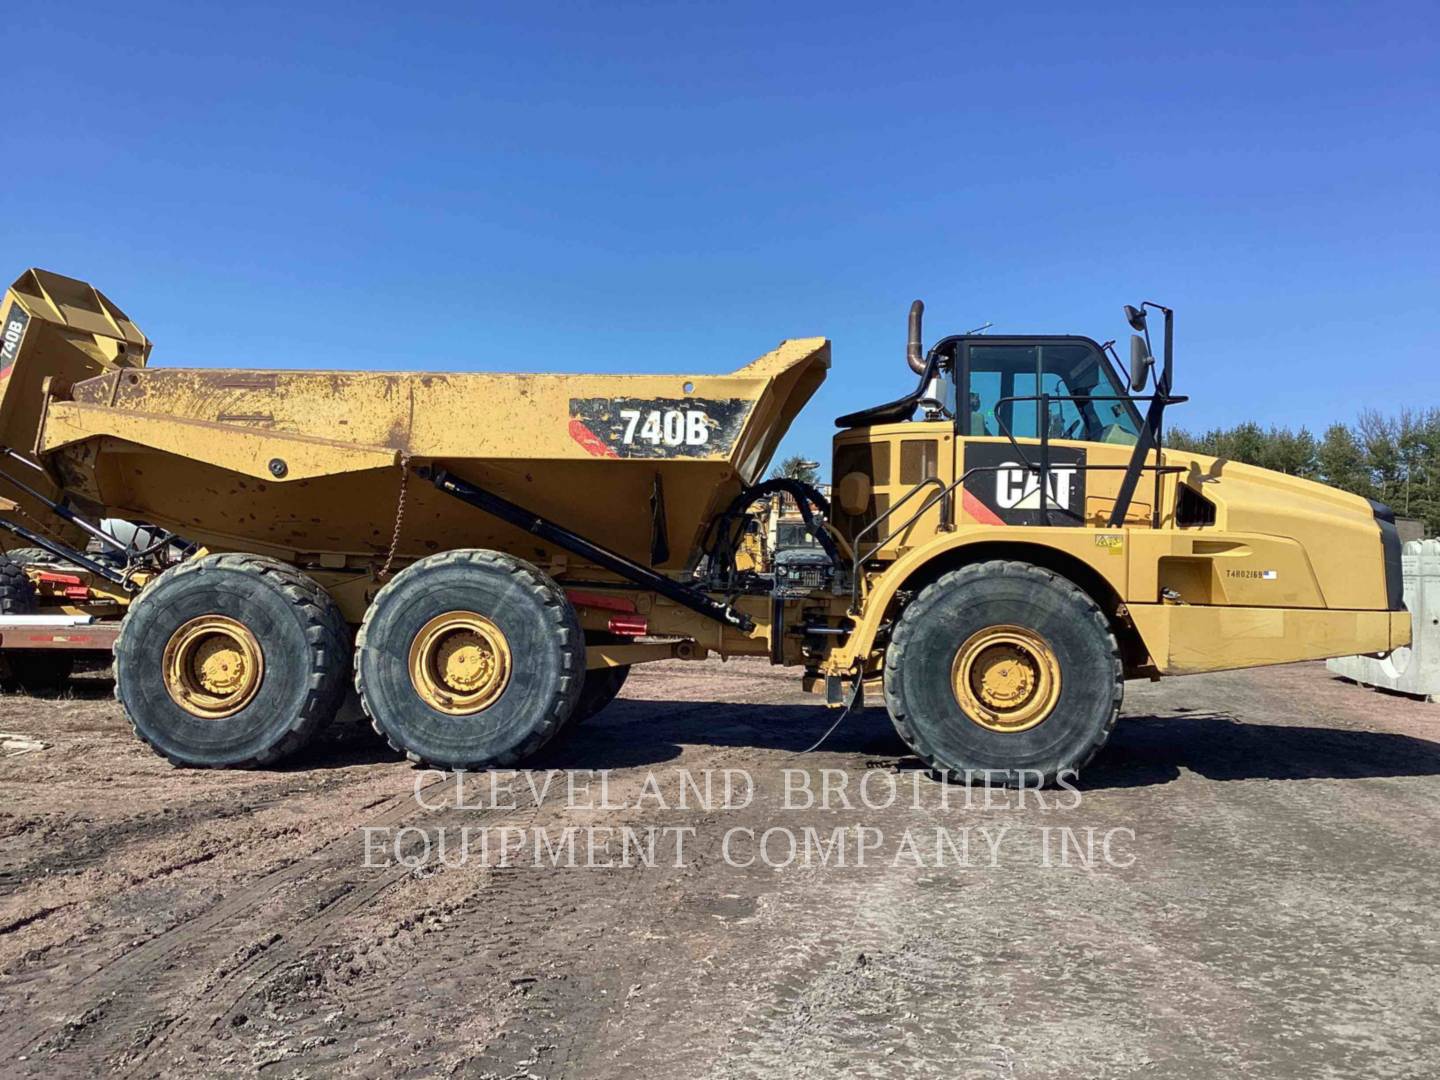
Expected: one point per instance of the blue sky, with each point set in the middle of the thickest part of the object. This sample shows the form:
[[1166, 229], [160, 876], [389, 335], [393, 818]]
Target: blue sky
[[675, 187]]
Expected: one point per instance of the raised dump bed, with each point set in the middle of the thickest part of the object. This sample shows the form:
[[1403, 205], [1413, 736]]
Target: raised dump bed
[[311, 463], [56, 332]]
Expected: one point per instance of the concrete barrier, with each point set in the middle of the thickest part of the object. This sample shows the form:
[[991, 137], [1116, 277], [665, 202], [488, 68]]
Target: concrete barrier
[[1414, 669]]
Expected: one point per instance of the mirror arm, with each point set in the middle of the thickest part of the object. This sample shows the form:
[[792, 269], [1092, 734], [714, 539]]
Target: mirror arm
[[1149, 434], [1109, 347], [1167, 369]]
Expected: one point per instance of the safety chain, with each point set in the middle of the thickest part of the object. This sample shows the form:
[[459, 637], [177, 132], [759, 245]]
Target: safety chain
[[399, 515]]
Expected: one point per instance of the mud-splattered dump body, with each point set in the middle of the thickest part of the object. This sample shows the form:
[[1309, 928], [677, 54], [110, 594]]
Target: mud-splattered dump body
[[299, 463]]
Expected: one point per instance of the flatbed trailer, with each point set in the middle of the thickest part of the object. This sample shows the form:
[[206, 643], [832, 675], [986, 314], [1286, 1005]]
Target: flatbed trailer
[[72, 633]]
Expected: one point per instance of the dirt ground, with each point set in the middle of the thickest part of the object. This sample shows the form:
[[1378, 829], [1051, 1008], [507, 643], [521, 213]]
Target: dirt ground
[[1243, 884]]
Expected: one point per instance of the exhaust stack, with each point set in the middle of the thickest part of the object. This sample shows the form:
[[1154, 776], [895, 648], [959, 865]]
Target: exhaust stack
[[914, 350]]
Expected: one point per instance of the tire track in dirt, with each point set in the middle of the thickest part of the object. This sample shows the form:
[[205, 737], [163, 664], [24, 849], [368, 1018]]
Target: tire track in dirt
[[514, 919], [572, 1011], [130, 975], [228, 986], [609, 1005], [541, 916], [99, 843], [554, 1019], [530, 900], [103, 848]]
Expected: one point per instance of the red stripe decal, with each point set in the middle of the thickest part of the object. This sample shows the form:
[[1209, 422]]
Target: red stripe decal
[[978, 510], [593, 444], [597, 600]]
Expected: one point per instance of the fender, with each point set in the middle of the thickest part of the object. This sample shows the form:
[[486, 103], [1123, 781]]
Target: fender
[[1104, 551]]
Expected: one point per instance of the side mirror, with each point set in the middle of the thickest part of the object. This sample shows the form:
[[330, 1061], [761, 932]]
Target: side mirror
[[1140, 362], [1136, 318]]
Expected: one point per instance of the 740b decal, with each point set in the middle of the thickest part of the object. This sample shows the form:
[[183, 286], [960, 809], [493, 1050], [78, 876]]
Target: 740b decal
[[657, 427], [11, 334]]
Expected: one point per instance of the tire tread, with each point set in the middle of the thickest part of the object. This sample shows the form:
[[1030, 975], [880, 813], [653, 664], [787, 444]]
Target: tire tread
[[556, 606], [327, 629], [17, 592], [916, 612]]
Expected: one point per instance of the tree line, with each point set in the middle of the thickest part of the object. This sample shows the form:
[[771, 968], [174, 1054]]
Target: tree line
[[1390, 458]]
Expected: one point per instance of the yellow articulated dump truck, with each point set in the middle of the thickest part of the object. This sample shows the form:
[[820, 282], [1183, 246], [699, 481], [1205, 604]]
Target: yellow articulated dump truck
[[485, 556]]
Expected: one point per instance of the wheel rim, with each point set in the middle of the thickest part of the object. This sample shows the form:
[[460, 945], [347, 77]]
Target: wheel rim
[[213, 666], [460, 663], [1006, 678]]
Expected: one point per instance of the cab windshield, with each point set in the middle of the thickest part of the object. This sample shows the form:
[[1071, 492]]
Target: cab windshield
[[1075, 371], [794, 534]]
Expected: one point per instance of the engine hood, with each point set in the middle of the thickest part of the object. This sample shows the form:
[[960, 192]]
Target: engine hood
[[1313, 531]]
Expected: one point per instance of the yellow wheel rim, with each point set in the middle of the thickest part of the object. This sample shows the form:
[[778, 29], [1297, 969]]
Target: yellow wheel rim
[[459, 663], [1006, 678], [213, 666]]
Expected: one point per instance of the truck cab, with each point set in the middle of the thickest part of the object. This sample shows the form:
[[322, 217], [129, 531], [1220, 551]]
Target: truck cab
[[982, 400], [1042, 448]]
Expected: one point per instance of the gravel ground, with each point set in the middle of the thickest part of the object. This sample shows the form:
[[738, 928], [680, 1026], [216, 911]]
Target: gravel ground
[[1242, 884]]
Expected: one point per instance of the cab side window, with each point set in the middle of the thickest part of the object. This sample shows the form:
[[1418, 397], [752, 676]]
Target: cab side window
[[1085, 396], [1065, 419], [1078, 372], [980, 413], [998, 373]]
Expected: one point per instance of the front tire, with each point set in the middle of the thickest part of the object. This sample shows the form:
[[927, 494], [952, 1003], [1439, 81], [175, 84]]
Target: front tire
[[469, 658], [231, 661], [1004, 670]]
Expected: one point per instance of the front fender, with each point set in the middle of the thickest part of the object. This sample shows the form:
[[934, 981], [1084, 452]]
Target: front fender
[[1104, 552]]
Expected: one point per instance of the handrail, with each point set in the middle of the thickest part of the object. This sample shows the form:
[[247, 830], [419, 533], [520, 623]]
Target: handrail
[[1044, 437], [928, 481], [857, 559]]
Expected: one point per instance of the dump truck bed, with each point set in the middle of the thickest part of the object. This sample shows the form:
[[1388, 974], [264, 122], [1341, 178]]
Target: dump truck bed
[[301, 462]]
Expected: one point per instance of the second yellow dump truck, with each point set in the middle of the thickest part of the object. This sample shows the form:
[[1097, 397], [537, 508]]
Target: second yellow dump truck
[[485, 556]]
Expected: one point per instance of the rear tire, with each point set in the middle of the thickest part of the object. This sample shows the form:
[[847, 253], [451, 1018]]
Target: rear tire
[[231, 661], [469, 658], [32, 556], [17, 592], [602, 685], [1031, 656], [29, 671]]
